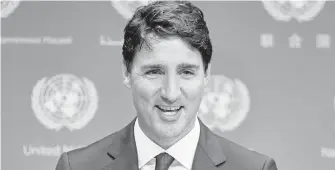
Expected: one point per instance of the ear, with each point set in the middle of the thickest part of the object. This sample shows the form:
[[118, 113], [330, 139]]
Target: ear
[[126, 75], [207, 74]]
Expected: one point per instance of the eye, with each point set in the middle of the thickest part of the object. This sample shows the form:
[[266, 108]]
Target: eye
[[187, 74], [153, 72]]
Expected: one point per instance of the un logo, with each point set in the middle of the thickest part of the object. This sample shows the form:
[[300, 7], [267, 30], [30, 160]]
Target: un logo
[[7, 7], [226, 103], [64, 101], [127, 8], [286, 10]]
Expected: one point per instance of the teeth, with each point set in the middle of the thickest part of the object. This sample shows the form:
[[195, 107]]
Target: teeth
[[171, 113], [169, 108]]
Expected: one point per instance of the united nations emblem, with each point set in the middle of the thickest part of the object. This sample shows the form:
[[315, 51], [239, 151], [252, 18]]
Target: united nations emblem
[[64, 101], [285, 10], [127, 8], [7, 7], [226, 103]]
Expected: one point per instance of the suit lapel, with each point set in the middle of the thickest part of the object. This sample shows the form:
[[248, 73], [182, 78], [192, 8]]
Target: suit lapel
[[209, 153], [123, 150]]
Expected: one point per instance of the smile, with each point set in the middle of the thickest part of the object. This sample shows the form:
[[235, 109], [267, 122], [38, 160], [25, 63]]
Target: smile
[[169, 108], [169, 113]]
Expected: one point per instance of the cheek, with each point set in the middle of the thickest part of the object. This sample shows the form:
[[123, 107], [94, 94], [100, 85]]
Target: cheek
[[193, 89], [144, 89]]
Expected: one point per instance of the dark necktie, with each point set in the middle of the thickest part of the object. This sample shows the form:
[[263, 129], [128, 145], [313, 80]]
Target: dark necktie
[[163, 161]]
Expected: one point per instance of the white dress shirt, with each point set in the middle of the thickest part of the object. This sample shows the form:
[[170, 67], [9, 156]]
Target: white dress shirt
[[182, 151]]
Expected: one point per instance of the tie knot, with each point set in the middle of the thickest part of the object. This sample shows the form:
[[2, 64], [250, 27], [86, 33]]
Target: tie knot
[[163, 161]]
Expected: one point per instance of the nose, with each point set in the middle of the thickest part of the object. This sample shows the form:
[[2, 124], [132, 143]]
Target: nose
[[171, 88]]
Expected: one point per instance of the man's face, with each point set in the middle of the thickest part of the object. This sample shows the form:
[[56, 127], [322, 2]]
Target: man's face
[[167, 83]]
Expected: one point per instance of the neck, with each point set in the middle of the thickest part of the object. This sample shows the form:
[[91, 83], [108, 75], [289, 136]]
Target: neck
[[163, 141]]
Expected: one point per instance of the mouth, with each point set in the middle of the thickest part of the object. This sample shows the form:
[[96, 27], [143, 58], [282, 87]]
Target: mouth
[[169, 108], [169, 113]]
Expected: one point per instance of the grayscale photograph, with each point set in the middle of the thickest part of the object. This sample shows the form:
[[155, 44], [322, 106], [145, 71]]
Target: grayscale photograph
[[168, 85]]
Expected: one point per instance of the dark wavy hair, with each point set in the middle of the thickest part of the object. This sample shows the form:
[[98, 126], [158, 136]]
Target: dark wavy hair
[[165, 19]]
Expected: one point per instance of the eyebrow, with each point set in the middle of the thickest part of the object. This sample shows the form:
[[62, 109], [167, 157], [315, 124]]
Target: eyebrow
[[180, 66], [151, 66], [188, 66]]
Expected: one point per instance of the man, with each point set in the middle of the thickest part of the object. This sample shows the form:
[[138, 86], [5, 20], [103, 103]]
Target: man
[[167, 53]]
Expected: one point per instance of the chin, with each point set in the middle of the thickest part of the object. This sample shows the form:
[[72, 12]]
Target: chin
[[170, 130], [169, 134]]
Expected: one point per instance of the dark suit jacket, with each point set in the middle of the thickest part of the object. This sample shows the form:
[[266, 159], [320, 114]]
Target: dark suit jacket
[[118, 152]]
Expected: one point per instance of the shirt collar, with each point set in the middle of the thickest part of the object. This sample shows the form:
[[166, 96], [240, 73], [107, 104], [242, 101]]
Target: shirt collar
[[183, 151]]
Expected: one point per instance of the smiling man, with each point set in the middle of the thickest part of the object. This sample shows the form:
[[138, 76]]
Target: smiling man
[[167, 53]]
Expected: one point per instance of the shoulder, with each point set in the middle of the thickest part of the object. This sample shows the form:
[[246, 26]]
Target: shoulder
[[237, 154], [96, 154], [89, 157], [95, 148]]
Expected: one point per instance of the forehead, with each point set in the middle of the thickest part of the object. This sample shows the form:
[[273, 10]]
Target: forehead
[[168, 51]]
